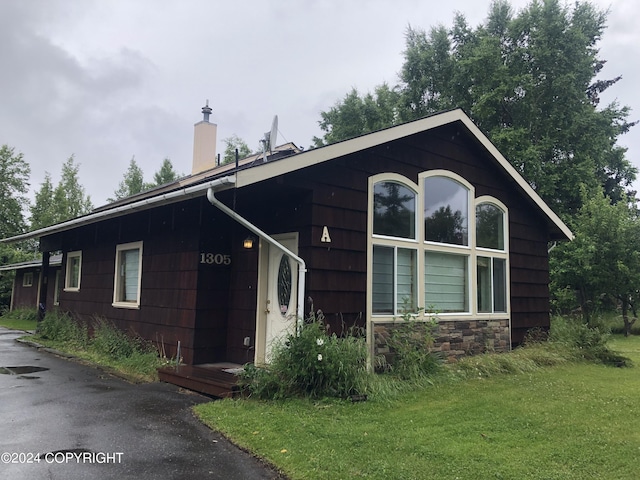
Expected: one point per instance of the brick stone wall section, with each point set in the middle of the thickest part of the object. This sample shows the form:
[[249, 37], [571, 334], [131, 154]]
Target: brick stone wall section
[[453, 338]]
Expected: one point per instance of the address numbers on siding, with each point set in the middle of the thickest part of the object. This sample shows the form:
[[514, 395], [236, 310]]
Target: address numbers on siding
[[215, 259]]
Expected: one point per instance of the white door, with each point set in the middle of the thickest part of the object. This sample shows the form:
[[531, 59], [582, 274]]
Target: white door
[[278, 295]]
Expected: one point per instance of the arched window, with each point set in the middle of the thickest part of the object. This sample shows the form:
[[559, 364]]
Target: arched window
[[445, 258], [491, 264], [446, 211], [394, 210], [394, 272]]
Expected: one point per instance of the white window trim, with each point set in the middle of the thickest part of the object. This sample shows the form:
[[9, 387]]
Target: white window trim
[[389, 241], [67, 276], [471, 251], [26, 283], [494, 253], [56, 287], [116, 277]]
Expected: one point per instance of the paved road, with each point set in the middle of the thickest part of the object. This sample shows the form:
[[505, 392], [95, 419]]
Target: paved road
[[73, 414]]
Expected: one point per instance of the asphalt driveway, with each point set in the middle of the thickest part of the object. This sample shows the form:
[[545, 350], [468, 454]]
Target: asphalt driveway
[[63, 420]]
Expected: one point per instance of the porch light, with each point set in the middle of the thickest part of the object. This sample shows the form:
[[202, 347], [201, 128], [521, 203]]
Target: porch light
[[248, 242]]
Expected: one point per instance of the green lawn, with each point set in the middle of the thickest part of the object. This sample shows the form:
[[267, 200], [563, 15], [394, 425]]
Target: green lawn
[[21, 319], [575, 421]]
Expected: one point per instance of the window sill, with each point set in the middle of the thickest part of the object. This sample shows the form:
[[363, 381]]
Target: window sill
[[71, 289], [131, 306]]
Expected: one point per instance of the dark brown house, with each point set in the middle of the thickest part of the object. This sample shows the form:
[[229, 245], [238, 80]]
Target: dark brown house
[[424, 215], [25, 292]]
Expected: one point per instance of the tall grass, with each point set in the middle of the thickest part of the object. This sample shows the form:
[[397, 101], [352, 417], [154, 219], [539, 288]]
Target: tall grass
[[107, 345]]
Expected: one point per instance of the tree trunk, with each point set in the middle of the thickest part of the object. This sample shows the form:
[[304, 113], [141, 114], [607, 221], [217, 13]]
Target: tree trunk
[[625, 317]]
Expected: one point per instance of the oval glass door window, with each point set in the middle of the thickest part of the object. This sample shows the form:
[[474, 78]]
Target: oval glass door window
[[284, 284]]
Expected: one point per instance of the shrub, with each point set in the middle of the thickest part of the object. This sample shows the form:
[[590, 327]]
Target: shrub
[[110, 340], [410, 342], [60, 327], [312, 363], [587, 342]]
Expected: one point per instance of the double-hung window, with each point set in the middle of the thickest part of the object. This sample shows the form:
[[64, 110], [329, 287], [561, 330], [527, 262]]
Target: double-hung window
[[73, 272], [442, 256], [128, 275]]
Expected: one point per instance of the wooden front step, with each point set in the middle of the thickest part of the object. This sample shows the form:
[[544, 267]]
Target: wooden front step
[[207, 380]]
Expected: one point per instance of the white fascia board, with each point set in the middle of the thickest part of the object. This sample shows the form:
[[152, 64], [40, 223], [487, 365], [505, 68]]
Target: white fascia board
[[121, 210], [346, 147]]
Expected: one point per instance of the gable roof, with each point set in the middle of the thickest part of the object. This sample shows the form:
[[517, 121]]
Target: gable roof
[[253, 169]]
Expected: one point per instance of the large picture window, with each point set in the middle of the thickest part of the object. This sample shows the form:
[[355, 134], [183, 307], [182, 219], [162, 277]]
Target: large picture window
[[445, 258], [446, 282], [128, 275], [73, 271]]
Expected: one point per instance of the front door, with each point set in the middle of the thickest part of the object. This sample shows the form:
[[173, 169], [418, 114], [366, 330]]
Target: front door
[[277, 295]]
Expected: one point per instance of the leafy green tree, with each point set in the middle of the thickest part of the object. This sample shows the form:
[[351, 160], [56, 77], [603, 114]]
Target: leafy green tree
[[14, 185], [355, 115], [131, 184], [69, 196], [528, 81], [603, 261], [165, 175], [231, 143]]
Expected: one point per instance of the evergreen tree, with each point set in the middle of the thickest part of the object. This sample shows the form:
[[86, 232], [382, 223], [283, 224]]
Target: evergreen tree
[[69, 196], [43, 211], [132, 182], [165, 175]]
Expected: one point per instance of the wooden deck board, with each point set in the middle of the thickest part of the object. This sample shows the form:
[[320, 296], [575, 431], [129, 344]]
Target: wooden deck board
[[207, 380]]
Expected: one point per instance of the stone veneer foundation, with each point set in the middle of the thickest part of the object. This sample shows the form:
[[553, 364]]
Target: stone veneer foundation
[[454, 338]]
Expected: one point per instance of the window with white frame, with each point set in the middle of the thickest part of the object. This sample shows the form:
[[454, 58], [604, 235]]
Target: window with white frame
[[73, 271], [491, 263], [449, 248], [394, 265], [27, 279], [128, 275]]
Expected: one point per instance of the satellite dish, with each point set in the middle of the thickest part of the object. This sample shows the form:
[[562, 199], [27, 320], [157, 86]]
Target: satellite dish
[[270, 138]]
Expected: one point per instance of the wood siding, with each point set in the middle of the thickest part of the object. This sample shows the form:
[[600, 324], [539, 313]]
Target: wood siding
[[336, 281], [210, 307]]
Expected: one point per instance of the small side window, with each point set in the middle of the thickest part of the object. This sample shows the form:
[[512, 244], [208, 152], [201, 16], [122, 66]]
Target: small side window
[[73, 272], [27, 279], [128, 275]]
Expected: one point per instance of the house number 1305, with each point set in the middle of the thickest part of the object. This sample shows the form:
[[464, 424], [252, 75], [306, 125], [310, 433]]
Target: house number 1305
[[215, 259]]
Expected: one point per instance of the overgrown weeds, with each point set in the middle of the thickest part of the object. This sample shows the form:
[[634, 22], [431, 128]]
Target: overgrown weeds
[[312, 363], [410, 341], [107, 345]]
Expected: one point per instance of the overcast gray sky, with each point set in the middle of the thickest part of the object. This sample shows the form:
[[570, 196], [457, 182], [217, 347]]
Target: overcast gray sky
[[109, 80]]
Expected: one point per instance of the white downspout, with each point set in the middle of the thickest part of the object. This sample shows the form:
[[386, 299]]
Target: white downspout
[[302, 267]]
